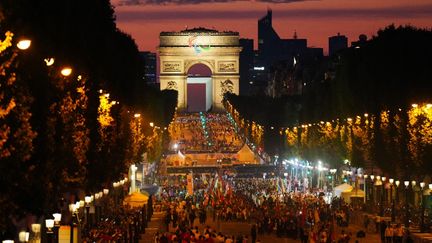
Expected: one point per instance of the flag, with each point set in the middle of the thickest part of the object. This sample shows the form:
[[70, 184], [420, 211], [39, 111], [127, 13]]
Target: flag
[[189, 184]]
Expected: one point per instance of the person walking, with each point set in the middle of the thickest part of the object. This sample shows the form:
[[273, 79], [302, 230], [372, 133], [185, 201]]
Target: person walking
[[389, 234], [254, 233]]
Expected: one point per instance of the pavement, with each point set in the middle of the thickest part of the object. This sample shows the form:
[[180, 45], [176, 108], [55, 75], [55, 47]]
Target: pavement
[[243, 228]]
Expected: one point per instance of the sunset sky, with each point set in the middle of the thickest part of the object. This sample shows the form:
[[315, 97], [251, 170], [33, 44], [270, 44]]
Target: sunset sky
[[314, 20]]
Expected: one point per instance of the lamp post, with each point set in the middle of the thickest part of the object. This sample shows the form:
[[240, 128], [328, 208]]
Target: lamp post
[[23, 236], [422, 225], [373, 189], [36, 228], [57, 220], [391, 180], [72, 209], [87, 200], [383, 179], [49, 224], [364, 187], [406, 183]]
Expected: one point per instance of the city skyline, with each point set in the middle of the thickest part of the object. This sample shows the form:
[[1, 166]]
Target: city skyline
[[313, 20]]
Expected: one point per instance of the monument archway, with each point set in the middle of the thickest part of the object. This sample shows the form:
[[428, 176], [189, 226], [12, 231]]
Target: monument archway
[[199, 88], [219, 51]]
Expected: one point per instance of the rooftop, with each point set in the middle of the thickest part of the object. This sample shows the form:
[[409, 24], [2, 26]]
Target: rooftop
[[198, 30]]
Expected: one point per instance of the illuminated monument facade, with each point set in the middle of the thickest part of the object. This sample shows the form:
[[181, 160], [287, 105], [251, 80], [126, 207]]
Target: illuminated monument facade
[[219, 51]]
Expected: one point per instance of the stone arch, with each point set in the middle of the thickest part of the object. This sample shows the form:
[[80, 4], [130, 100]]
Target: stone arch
[[220, 54], [190, 64]]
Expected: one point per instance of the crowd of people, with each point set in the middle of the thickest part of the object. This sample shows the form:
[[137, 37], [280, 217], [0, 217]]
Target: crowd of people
[[204, 132], [256, 201]]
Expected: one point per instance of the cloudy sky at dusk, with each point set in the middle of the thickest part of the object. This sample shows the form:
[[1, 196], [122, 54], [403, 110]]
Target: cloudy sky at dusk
[[315, 20]]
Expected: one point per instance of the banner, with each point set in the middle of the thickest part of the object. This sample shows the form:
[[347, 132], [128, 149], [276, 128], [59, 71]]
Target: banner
[[189, 186]]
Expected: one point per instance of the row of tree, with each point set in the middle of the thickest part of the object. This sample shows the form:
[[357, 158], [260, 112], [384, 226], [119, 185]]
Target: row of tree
[[64, 136], [390, 72]]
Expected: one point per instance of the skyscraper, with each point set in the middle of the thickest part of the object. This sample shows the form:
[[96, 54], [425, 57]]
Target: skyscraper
[[246, 65], [149, 60], [336, 43]]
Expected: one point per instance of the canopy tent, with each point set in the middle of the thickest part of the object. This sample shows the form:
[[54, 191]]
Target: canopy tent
[[176, 159], [136, 199], [246, 155], [342, 188], [347, 192]]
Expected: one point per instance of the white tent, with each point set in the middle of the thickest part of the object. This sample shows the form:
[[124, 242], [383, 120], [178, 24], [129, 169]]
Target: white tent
[[246, 155], [342, 188], [347, 192], [176, 159]]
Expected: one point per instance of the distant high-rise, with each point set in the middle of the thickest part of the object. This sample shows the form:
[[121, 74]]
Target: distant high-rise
[[269, 42], [149, 60], [246, 64], [336, 43]]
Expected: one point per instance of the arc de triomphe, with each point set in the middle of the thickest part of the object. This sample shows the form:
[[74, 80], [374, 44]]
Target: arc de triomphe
[[219, 51]]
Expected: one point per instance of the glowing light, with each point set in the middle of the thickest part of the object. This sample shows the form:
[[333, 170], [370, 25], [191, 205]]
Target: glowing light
[[66, 71], [366, 114], [49, 61], [100, 91], [7, 41], [137, 115], [414, 105], [151, 124], [24, 44]]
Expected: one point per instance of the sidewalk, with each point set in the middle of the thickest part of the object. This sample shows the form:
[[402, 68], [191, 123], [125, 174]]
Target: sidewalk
[[156, 224]]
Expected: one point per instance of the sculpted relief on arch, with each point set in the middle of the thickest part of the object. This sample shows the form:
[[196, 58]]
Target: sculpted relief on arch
[[227, 86], [172, 85]]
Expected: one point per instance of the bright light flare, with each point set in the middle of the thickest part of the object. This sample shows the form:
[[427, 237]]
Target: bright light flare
[[49, 61], [66, 71], [24, 44]]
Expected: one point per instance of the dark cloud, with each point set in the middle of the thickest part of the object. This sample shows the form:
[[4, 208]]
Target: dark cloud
[[383, 13], [184, 2]]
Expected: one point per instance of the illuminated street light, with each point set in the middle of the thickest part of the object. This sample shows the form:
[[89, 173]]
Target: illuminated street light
[[151, 124], [23, 236], [414, 105], [49, 61], [137, 115], [24, 44], [66, 71]]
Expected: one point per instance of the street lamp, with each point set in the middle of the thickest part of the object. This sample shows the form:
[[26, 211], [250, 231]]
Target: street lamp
[[373, 188], [87, 200], [49, 224], [36, 228], [406, 183], [23, 236], [57, 220], [24, 44], [49, 61], [365, 176], [73, 207], [66, 71], [422, 227], [391, 180]]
